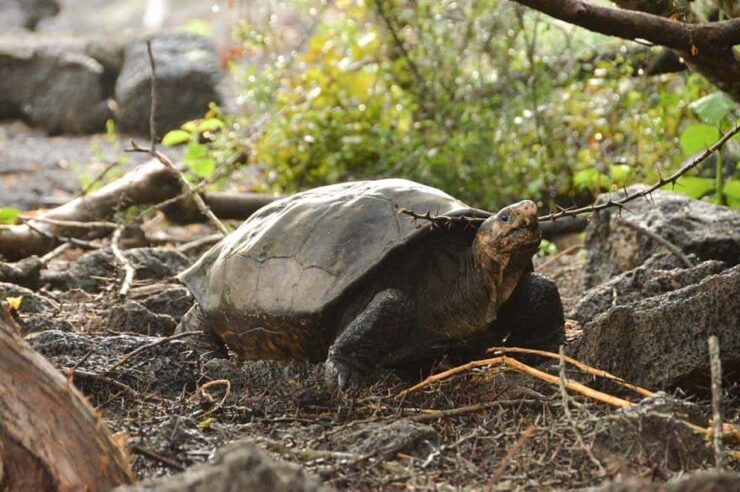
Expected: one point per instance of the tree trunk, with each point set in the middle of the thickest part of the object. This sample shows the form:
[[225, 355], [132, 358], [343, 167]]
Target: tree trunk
[[50, 437]]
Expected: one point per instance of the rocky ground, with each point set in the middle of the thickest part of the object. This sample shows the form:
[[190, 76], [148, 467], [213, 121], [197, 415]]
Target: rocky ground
[[646, 319], [633, 308]]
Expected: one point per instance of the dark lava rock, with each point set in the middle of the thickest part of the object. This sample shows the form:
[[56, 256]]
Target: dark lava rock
[[173, 302], [661, 342], [701, 481], [187, 81], [165, 368], [238, 466], [401, 436], [93, 271], [37, 312], [61, 84], [653, 434], [638, 284], [134, 318], [25, 14], [709, 231]]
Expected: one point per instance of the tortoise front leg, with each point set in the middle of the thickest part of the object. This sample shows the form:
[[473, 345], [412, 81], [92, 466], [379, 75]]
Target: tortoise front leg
[[533, 315], [379, 329]]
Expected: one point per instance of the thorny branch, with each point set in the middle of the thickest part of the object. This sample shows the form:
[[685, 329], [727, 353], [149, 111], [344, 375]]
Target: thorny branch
[[442, 221]]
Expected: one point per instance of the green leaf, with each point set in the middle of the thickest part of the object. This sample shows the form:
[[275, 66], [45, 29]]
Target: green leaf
[[713, 108], [176, 137], [210, 125], [731, 190], [190, 126], [197, 160], [694, 187], [698, 137], [586, 178], [9, 215]]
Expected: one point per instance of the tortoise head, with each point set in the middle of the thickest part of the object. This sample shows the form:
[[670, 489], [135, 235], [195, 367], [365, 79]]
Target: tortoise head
[[505, 244], [512, 233]]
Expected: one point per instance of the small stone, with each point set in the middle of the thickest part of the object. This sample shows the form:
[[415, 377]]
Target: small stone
[[401, 436]]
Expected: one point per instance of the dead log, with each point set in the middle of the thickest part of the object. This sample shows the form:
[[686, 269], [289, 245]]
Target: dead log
[[150, 183], [50, 437], [226, 206]]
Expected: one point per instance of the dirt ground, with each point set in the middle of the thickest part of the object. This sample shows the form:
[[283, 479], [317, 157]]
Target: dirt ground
[[485, 428]]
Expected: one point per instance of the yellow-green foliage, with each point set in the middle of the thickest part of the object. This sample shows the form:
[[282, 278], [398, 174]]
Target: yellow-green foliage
[[486, 100]]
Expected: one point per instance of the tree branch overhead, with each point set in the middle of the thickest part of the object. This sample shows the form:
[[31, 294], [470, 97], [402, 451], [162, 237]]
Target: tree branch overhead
[[628, 24]]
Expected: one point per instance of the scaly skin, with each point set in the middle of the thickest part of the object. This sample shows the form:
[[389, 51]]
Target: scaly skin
[[394, 327]]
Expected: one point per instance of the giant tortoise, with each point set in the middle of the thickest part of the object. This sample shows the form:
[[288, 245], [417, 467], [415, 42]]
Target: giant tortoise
[[337, 274]]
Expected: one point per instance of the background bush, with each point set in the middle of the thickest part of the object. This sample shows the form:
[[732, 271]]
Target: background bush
[[484, 99]]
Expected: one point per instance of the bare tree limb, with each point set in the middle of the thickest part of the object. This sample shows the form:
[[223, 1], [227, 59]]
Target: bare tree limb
[[628, 24], [706, 48]]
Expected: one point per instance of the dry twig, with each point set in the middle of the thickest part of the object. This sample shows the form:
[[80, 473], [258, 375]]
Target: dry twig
[[156, 343], [152, 150], [660, 240], [569, 416], [202, 391], [523, 368], [580, 365], [716, 370], [129, 270], [501, 468]]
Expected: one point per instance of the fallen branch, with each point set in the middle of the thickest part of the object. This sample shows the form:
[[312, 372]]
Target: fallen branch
[[580, 365], [730, 433], [149, 183], [523, 368]]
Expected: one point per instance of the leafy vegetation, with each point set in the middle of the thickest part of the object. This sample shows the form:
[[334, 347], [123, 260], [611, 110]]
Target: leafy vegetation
[[482, 98]]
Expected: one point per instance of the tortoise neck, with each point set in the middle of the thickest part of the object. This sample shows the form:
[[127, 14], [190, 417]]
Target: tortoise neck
[[482, 277]]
